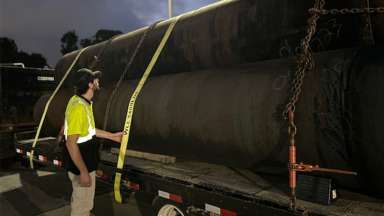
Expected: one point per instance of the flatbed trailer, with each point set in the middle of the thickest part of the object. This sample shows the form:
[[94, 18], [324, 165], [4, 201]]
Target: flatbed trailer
[[47, 152], [20, 88], [197, 188], [7, 131]]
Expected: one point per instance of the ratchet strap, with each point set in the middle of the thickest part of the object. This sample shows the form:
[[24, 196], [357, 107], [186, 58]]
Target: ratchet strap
[[122, 76], [131, 106], [48, 103]]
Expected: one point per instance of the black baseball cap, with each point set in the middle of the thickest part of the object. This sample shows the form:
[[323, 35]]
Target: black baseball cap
[[84, 76], [87, 72]]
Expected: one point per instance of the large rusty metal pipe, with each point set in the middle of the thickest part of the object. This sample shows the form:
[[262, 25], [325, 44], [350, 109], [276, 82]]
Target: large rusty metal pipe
[[227, 34], [233, 116], [213, 103]]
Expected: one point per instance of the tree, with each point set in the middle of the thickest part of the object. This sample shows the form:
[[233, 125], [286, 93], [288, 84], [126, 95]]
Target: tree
[[36, 60], [85, 42], [105, 34], [8, 51], [100, 36], [69, 42]]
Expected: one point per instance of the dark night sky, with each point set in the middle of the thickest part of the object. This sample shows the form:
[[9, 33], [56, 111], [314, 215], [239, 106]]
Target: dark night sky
[[37, 25]]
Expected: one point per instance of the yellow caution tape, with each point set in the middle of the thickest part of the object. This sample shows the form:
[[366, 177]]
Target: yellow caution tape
[[48, 103], [131, 106]]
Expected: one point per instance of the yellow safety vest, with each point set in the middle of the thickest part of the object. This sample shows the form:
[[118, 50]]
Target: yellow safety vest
[[79, 119]]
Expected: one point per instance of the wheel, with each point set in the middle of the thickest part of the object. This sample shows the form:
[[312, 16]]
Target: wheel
[[165, 207], [170, 210]]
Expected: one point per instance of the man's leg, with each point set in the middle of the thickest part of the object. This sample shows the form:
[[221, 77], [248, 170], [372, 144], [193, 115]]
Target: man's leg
[[82, 197]]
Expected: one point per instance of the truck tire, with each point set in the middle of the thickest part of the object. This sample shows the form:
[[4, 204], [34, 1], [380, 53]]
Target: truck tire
[[164, 207]]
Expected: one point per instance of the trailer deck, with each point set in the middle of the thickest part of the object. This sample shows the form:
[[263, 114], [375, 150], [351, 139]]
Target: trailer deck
[[246, 185], [199, 186]]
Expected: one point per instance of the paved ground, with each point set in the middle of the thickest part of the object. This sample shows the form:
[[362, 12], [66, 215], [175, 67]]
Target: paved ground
[[104, 205], [46, 193]]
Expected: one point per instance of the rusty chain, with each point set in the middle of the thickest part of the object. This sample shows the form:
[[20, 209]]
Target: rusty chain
[[304, 60], [305, 63], [346, 11], [367, 32]]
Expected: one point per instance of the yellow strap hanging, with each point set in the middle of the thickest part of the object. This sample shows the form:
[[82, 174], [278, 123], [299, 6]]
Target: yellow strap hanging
[[131, 106], [47, 105]]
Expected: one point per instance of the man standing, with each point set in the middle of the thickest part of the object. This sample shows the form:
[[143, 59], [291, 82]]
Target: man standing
[[81, 155]]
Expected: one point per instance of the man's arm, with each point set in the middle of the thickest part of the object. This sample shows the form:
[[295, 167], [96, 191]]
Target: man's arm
[[77, 159], [116, 137]]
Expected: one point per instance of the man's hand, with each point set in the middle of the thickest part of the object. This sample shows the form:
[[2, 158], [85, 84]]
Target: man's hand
[[117, 137], [85, 179]]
